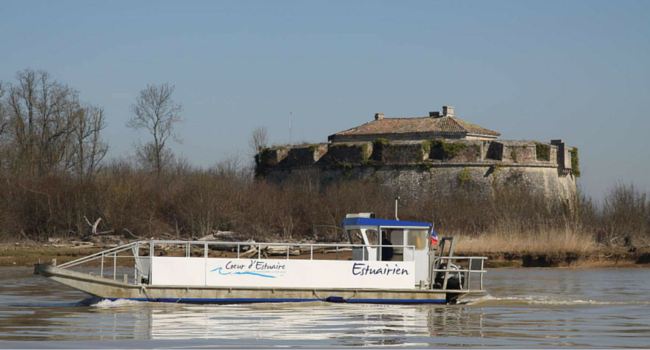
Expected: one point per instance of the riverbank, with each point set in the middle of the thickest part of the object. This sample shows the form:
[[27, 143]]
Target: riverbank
[[550, 248], [603, 258], [27, 254]]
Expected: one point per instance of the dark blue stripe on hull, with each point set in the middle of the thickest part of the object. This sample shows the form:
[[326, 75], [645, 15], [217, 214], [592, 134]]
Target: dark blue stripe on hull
[[264, 300], [397, 301]]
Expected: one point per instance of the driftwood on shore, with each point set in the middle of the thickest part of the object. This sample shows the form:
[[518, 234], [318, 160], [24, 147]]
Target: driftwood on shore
[[265, 250], [282, 250], [249, 253]]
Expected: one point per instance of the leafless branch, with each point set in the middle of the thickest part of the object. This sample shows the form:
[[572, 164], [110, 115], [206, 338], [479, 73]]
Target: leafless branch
[[156, 112]]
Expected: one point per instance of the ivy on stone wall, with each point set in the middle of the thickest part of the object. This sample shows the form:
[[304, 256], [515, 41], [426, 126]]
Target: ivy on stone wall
[[449, 149], [575, 162], [426, 147], [543, 151], [378, 148], [365, 150], [464, 176], [347, 168], [260, 166], [362, 148], [513, 154]]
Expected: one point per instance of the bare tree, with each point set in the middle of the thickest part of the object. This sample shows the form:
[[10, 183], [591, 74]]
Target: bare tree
[[258, 139], [41, 110], [43, 121], [3, 125], [155, 111], [45, 128], [3, 111], [151, 157], [88, 148]]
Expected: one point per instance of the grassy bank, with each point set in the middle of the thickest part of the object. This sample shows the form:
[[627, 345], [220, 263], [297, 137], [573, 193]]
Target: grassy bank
[[553, 248], [30, 254]]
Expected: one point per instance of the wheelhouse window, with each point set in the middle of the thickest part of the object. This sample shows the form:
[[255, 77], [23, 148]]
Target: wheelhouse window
[[355, 237], [417, 238], [372, 237]]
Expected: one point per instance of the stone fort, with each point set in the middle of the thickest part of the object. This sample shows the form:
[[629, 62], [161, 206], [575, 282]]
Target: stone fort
[[437, 154]]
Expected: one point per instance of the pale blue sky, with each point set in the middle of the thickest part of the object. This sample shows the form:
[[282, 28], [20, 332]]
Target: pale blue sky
[[539, 70]]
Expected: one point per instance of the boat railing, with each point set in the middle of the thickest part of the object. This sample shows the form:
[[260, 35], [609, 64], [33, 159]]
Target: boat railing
[[102, 254], [255, 251], [260, 245], [475, 265]]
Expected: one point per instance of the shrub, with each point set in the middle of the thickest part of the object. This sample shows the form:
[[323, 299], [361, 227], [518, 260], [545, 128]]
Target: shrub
[[378, 149], [543, 151], [575, 162], [446, 150]]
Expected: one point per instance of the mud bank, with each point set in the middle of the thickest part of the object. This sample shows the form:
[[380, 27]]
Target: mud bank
[[602, 258], [28, 255]]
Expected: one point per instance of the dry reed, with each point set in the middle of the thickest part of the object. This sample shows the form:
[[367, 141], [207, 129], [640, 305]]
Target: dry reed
[[189, 202], [550, 241]]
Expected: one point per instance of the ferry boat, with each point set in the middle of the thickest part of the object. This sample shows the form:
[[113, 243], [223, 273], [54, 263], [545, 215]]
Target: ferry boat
[[385, 261]]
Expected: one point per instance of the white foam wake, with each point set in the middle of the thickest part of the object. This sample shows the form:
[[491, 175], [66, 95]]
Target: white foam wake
[[546, 300], [106, 304]]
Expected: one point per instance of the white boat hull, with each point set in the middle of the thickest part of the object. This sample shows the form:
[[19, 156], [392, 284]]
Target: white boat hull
[[112, 290]]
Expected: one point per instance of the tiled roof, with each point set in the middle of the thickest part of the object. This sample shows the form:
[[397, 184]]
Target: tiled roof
[[444, 125]]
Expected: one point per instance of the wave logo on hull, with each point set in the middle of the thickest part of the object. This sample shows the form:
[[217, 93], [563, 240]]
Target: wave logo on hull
[[254, 268], [219, 270]]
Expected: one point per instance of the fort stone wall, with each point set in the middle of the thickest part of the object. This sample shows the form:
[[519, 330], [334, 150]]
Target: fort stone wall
[[435, 167]]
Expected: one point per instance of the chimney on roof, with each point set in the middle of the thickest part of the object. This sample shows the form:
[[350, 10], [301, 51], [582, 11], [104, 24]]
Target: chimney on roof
[[434, 114], [379, 116], [448, 111]]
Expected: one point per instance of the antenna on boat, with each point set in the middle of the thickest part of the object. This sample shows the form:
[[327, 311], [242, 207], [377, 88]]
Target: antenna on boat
[[396, 204]]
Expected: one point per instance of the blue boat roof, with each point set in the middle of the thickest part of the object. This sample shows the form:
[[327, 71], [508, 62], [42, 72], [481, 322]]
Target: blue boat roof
[[381, 222]]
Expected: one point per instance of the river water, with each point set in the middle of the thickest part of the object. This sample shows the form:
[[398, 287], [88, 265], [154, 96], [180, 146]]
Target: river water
[[525, 308]]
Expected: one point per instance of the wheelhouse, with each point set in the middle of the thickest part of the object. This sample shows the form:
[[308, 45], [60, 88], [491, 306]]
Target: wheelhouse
[[373, 239]]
